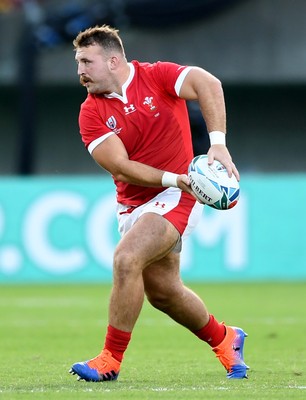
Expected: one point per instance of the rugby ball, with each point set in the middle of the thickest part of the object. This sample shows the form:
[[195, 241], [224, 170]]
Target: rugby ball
[[212, 185]]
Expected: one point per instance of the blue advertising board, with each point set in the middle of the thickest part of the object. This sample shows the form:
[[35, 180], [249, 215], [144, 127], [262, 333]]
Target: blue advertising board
[[64, 229]]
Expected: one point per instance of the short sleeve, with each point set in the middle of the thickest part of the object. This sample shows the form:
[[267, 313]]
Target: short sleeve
[[92, 128], [171, 76]]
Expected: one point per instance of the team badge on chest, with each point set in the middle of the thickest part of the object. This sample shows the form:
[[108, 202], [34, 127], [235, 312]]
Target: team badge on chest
[[149, 104]]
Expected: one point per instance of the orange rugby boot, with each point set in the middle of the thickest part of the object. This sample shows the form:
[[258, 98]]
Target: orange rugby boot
[[230, 353], [99, 369]]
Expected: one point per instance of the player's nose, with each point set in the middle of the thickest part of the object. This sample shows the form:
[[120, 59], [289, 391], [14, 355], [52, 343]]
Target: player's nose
[[81, 69]]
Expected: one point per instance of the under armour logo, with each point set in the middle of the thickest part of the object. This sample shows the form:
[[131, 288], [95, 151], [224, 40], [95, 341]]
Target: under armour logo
[[129, 109], [158, 204]]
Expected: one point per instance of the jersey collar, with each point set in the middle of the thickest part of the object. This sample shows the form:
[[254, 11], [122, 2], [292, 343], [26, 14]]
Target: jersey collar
[[123, 98]]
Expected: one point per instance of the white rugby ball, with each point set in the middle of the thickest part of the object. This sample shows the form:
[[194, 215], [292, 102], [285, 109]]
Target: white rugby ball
[[212, 185]]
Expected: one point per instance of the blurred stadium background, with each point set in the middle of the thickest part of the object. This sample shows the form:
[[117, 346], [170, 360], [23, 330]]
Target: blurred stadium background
[[55, 202]]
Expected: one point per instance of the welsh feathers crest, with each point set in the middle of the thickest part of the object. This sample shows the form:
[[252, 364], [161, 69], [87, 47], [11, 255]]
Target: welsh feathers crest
[[148, 102]]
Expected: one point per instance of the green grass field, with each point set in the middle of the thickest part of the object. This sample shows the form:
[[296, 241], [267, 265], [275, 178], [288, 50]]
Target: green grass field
[[44, 329]]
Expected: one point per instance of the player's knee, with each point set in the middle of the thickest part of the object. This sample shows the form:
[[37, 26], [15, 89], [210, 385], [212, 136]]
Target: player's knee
[[125, 264]]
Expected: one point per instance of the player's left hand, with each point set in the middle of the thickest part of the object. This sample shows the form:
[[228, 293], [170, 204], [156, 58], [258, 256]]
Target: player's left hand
[[220, 153], [183, 182]]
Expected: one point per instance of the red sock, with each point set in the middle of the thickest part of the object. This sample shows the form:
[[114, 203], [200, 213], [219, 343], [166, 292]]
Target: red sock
[[213, 333], [116, 342]]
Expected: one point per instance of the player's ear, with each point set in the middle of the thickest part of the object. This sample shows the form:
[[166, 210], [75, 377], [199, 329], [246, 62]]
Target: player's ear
[[113, 63]]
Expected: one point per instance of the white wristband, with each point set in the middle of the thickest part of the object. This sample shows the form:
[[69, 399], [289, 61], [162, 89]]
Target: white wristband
[[169, 179], [217, 137]]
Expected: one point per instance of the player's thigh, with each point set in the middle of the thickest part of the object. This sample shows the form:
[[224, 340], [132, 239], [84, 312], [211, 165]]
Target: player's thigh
[[150, 239]]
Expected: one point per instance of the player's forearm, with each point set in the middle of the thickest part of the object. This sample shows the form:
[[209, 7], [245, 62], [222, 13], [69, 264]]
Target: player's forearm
[[136, 173]]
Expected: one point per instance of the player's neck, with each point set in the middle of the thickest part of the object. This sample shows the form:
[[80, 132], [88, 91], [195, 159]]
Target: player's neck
[[123, 76]]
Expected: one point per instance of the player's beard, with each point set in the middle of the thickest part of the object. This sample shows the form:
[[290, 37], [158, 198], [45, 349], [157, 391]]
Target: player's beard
[[94, 87], [90, 85]]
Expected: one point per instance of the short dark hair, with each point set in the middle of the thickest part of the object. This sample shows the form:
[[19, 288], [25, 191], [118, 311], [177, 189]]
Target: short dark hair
[[105, 36]]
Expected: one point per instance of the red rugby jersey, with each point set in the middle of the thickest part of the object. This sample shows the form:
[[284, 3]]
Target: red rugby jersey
[[150, 119]]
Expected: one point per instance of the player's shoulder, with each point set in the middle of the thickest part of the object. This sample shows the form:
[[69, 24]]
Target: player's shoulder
[[157, 65], [165, 72], [90, 101], [143, 66], [91, 106]]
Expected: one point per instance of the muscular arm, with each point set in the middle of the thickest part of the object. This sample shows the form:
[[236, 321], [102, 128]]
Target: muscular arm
[[200, 85], [112, 156]]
